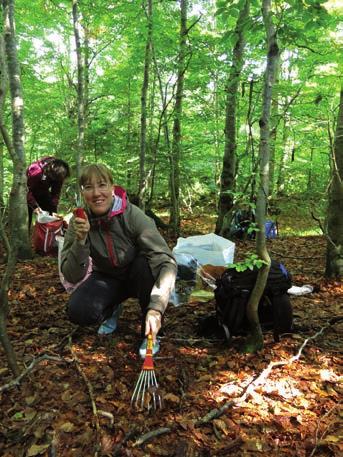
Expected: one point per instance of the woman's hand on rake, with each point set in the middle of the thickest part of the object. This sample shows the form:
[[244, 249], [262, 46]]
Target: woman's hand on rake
[[153, 323]]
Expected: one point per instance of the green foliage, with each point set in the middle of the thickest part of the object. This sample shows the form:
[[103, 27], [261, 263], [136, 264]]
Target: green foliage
[[251, 262], [306, 93]]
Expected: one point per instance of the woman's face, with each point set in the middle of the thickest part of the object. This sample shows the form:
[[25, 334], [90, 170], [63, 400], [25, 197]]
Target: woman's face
[[97, 194]]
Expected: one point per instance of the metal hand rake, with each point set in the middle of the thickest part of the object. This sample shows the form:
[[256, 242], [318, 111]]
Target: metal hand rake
[[145, 394]]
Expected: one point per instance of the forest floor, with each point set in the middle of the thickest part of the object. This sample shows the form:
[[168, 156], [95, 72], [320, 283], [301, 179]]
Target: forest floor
[[217, 401]]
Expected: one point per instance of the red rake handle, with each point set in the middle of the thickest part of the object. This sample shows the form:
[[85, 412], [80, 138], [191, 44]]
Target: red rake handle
[[148, 361]]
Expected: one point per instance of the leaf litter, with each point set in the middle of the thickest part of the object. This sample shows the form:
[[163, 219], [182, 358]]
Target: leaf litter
[[76, 400]]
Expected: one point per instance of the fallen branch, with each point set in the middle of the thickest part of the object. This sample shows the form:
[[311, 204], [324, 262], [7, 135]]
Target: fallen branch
[[90, 393], [147, 436], [192, 340], [326, 428], [16, 381], [249, 390]]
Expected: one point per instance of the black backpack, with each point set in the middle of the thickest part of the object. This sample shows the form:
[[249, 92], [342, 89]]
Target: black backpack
[[240, 224], [232, 295]]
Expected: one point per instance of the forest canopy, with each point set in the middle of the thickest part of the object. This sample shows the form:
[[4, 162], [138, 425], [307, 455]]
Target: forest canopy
[[113, 39]]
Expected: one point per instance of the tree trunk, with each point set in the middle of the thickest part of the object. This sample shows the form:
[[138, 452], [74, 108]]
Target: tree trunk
[[255, 340], [280, 185], [18, 243], [334, 252], [5, 284], [273, 134], [144, 92], [310, 173], [128, 143], [227, 179], [19, 236], [164, 120], [3, 91], [80, 90], [176, 142], [2, 182]]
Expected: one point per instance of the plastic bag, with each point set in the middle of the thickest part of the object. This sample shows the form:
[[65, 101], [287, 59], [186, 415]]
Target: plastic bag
[[207, 249], [271, 228], [193, 252]]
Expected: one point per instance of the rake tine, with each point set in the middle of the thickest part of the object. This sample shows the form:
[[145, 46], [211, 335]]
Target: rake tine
[[145, 392], [156, 386], [137, 388]]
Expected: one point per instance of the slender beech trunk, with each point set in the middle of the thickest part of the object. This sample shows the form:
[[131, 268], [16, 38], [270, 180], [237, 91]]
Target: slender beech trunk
[[3, 91], [87, 64], [227, 180], [144, 92], [280, 184], [177, 135], [164, 114], [80, 89], [128, 135], [310, 173], [19, 236], [334, 252], [6, 281], [153, 145], [251, 141], [2, 181], [255, 340], [18, 243], [273, 134]]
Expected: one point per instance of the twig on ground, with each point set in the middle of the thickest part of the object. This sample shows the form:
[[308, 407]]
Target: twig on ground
[[16, 381], [249, 389], [107, 415], [326, 428], [117, 450], [192, 340], [65, 339], [90, 393], [217, 412], [152, 434]]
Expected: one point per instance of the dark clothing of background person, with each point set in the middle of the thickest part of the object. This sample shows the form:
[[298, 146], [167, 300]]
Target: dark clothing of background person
[[44, 188]]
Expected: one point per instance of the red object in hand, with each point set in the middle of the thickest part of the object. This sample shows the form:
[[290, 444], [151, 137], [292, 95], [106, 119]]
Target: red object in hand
[[80, 212]]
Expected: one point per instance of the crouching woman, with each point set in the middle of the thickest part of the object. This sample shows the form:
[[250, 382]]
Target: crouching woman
[[130, 258]]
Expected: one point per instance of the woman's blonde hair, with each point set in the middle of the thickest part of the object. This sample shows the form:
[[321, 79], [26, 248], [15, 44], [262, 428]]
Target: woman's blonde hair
[[95, 169]]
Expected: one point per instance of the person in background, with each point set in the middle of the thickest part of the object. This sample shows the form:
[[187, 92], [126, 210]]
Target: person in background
[[130, 258], [45, 178]]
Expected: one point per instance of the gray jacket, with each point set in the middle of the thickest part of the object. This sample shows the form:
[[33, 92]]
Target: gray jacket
[[113, 241]]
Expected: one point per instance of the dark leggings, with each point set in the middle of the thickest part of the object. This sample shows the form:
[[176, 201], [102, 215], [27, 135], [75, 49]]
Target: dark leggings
[[96, 298]]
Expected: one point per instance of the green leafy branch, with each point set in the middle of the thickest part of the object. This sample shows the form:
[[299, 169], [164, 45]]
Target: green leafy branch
[[251, 262]]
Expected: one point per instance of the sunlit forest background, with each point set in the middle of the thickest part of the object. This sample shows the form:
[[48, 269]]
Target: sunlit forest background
[[113, 38]]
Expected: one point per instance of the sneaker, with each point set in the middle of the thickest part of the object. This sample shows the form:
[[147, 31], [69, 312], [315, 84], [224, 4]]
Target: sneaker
[[155, 348], [110, 324]]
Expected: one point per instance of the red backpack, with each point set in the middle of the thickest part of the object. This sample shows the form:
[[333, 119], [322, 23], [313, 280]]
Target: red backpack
[[44, 236], [37, 167]]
